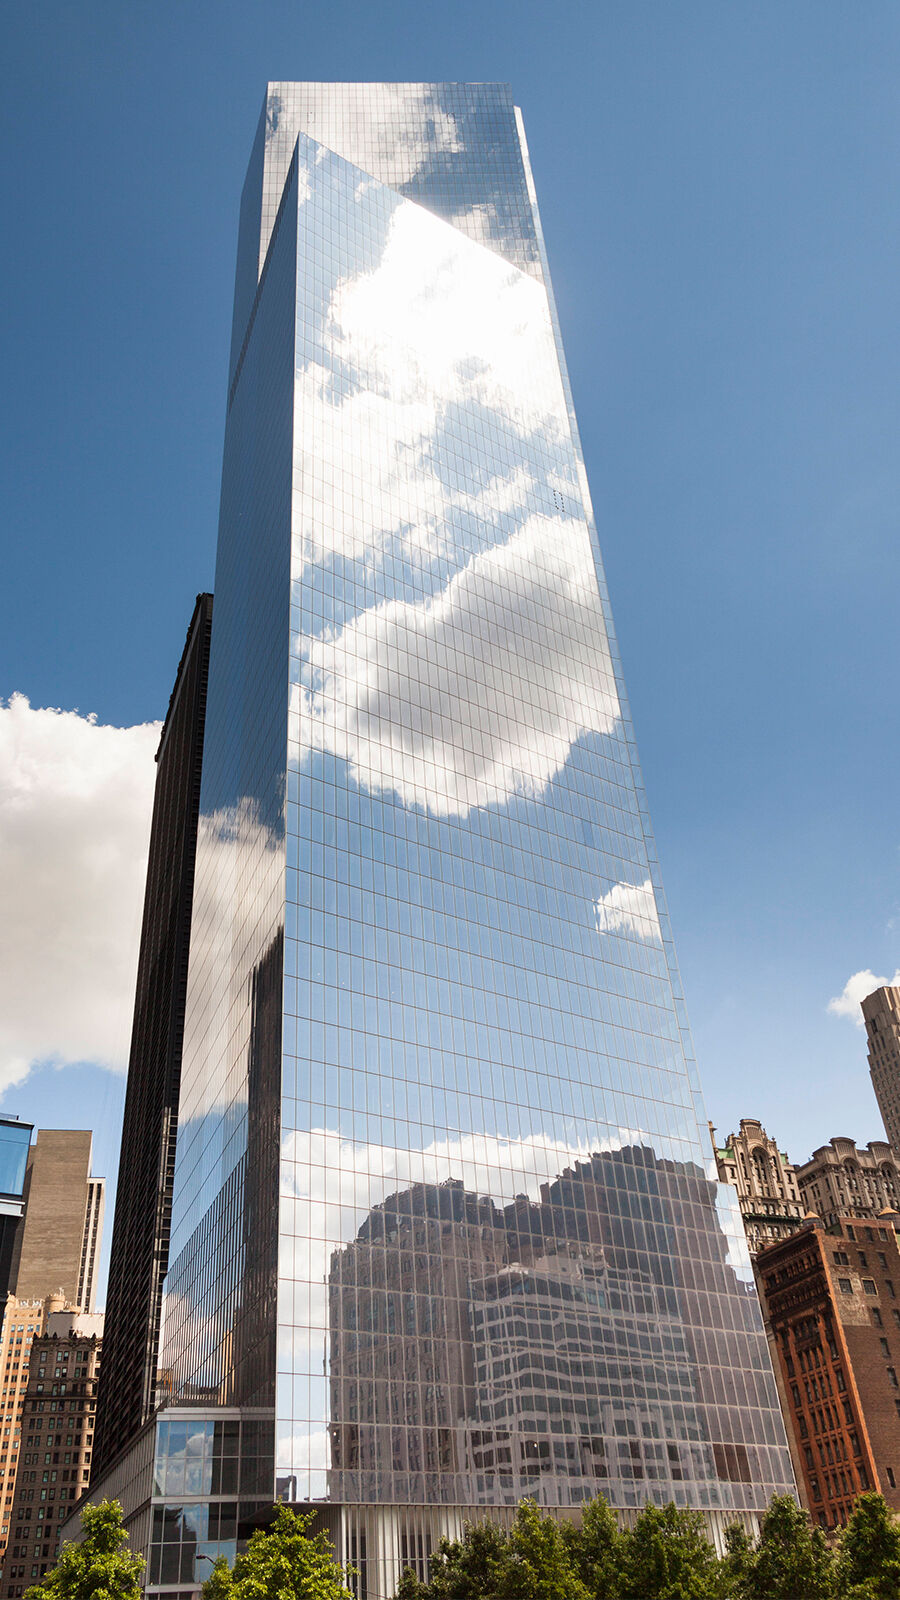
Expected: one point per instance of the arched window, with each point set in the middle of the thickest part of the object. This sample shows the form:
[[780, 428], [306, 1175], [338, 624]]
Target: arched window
[[762, 1170]]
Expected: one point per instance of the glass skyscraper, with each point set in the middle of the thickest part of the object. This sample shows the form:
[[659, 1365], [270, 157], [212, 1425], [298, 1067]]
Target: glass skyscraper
[[445, 1231]]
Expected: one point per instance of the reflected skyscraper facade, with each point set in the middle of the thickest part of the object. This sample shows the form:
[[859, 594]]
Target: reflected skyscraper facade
[[443, 1228]]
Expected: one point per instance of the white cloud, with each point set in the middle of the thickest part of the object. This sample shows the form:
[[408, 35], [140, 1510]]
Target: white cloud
[[75, 805], [629, 908], [848, 1002], [478, 693]]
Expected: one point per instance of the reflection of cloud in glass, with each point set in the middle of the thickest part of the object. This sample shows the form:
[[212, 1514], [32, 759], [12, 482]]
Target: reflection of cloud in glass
[[394, 146], [237, 855], [466, 322], [441, 354], [629, 908], [731, 1225], [437, 145], [477, 694]]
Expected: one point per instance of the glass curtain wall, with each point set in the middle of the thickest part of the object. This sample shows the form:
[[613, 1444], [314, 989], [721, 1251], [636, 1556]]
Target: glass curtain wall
[[443, 1215]]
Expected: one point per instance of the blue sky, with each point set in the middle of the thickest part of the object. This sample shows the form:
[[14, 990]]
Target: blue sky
[[719, 192]]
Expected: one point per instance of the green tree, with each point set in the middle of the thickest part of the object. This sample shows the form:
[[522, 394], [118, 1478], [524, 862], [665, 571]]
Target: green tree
[[537, 1564], [98, 1568], [738, 1560], [410, 1588], [533, 1561], [218, 1584], [469, 1568], [791, 1560], [669, 1557], [868, 1562], [280, 1563], [597, 1550]]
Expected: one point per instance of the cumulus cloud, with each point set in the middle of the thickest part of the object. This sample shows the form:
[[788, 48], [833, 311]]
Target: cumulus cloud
[[477, 694], [848, 1002], [75, 805], [628, 908]]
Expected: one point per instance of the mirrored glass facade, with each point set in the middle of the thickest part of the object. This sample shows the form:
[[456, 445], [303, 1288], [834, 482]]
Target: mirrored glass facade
[[443, 1220]]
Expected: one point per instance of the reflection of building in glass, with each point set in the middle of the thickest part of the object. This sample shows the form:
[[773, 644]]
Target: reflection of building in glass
[[429, 955], [481, 1353]]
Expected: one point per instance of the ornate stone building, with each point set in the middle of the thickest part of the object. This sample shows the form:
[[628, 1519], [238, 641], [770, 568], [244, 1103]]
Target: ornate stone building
[[841, 1179], [765, 1180]]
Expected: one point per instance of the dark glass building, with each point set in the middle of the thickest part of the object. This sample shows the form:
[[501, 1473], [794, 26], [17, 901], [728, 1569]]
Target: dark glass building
[[444, 1227], [140, 1240]]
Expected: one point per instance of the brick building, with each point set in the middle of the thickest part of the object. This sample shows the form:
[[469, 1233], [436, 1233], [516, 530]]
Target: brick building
[[832, 1301], [56, 1444], [23, 1320]]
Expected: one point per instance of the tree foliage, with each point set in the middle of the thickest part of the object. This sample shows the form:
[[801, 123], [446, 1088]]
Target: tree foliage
[[791, 1559], [669, 1556], [666, 1555], [868, 1563], [98, 1568], [461, 1569], [597, 1550], [280, 1563]]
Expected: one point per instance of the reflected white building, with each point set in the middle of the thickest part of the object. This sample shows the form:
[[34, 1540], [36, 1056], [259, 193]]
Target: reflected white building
[[429, 948]]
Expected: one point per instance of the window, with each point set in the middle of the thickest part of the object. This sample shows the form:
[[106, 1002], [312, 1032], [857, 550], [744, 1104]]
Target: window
[[869, 1286], [892, 1376], [890, 1477], [845, 1286], [876, 1317], [862, 1259], [890, 1288], [885, 1349]]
